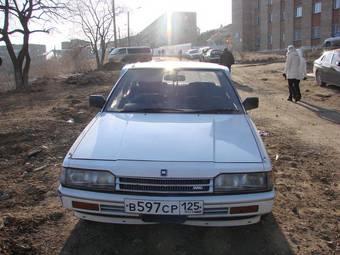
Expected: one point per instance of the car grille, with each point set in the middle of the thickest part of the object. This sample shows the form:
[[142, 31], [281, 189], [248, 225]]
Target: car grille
[[173, 186]]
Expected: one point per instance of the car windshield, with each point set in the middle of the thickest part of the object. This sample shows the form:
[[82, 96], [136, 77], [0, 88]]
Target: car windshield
[[174, 91]]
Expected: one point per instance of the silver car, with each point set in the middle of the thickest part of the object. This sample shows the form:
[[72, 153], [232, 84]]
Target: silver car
[[172, 143], [130, 55]]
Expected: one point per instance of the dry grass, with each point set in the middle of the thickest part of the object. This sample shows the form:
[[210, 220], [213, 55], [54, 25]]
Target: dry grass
[[54, 67], [49, 69], [256, 57], [6, 82]]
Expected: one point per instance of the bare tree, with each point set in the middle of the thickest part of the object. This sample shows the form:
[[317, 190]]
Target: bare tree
[[22, 13], [96, 19]]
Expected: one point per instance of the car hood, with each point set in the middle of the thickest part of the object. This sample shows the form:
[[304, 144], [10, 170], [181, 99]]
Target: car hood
[[168, 137]]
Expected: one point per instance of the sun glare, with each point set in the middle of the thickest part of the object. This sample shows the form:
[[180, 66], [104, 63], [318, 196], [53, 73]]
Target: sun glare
[[169, 26]]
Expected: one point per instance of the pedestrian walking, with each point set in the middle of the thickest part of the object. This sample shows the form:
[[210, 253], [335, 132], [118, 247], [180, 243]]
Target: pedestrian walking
[[227, 59], [292, 73], [180, 54]]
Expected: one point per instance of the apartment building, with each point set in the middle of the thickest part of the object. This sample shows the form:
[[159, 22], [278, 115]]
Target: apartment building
[[169, 29], [261, 25]]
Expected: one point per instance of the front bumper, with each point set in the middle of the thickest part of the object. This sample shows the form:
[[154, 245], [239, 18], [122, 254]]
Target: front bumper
[[216, 208]]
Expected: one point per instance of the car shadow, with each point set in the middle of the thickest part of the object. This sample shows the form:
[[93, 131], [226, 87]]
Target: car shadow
[[87, 238], [331, 115], [333, 87], [243, 87]]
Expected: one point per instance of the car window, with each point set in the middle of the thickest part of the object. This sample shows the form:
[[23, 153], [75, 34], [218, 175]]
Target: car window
[[138, 50], [328, 58], [122, 51], [117, 51], [336, 59], [182, 90], [216, 53], [114, 51], [336, 43]]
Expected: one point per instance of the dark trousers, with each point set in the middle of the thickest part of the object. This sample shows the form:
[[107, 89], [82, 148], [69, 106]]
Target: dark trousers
[[294, 89]]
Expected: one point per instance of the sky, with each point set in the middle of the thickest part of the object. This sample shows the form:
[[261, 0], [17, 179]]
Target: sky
[[210, 14]]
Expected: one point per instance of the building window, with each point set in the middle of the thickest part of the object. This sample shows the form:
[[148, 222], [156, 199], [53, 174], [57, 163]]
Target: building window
[[316, 33], [336, 4], [258, 4], [270, 2], [258, 42], [270, 17], [270, 39], [317, 7], [283, 37], [258, 20], [283, 15], [336, 30], [297, 35], [298, 12]]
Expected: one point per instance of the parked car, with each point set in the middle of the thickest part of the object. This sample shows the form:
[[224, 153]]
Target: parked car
[[327, 68], [171, 143], [130, 55], [212, 56], [204, 51], [333, 42], [192, 54]]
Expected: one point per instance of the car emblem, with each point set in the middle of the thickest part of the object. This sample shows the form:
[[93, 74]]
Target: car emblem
[[164, 172]]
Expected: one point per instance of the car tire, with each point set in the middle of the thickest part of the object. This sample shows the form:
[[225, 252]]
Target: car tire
[[318, 79]]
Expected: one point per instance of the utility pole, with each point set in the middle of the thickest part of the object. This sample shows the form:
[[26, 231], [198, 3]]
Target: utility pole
[[114, 23], [119, 43], [128, 27]]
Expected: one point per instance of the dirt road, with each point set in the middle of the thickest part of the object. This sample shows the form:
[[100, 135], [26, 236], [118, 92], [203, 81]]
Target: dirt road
[[38, 126]]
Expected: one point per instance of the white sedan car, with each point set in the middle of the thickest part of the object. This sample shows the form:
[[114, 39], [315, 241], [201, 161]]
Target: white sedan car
[[172, 143]]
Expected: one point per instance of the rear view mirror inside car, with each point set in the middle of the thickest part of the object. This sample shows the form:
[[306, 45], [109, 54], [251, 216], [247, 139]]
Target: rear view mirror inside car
[[174, 77]]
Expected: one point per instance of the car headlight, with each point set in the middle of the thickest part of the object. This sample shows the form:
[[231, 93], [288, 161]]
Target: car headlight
[[243, 182], [87, 179]]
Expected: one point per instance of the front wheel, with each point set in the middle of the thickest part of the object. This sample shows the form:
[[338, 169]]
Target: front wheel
[[319, 80]]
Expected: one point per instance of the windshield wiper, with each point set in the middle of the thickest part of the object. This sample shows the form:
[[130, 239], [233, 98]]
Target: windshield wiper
[[153, 110], [218, 110]]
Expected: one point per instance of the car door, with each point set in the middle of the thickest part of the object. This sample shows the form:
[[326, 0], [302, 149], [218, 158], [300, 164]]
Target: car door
[[335, 70], [326, 68]]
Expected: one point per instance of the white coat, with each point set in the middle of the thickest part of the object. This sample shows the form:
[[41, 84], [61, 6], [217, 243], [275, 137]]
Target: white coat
[[303, 65], [292, 66]]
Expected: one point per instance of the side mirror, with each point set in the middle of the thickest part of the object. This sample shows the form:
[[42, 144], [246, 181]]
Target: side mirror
[[338, 63], [97, 101], [251, 103]]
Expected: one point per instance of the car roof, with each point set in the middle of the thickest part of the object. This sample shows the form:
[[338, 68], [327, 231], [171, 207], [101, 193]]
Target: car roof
[[176, 65], [335, 51], [337, 38]]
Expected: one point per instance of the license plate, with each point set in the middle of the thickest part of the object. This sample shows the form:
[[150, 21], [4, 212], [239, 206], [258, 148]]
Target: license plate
[[164, 207]]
